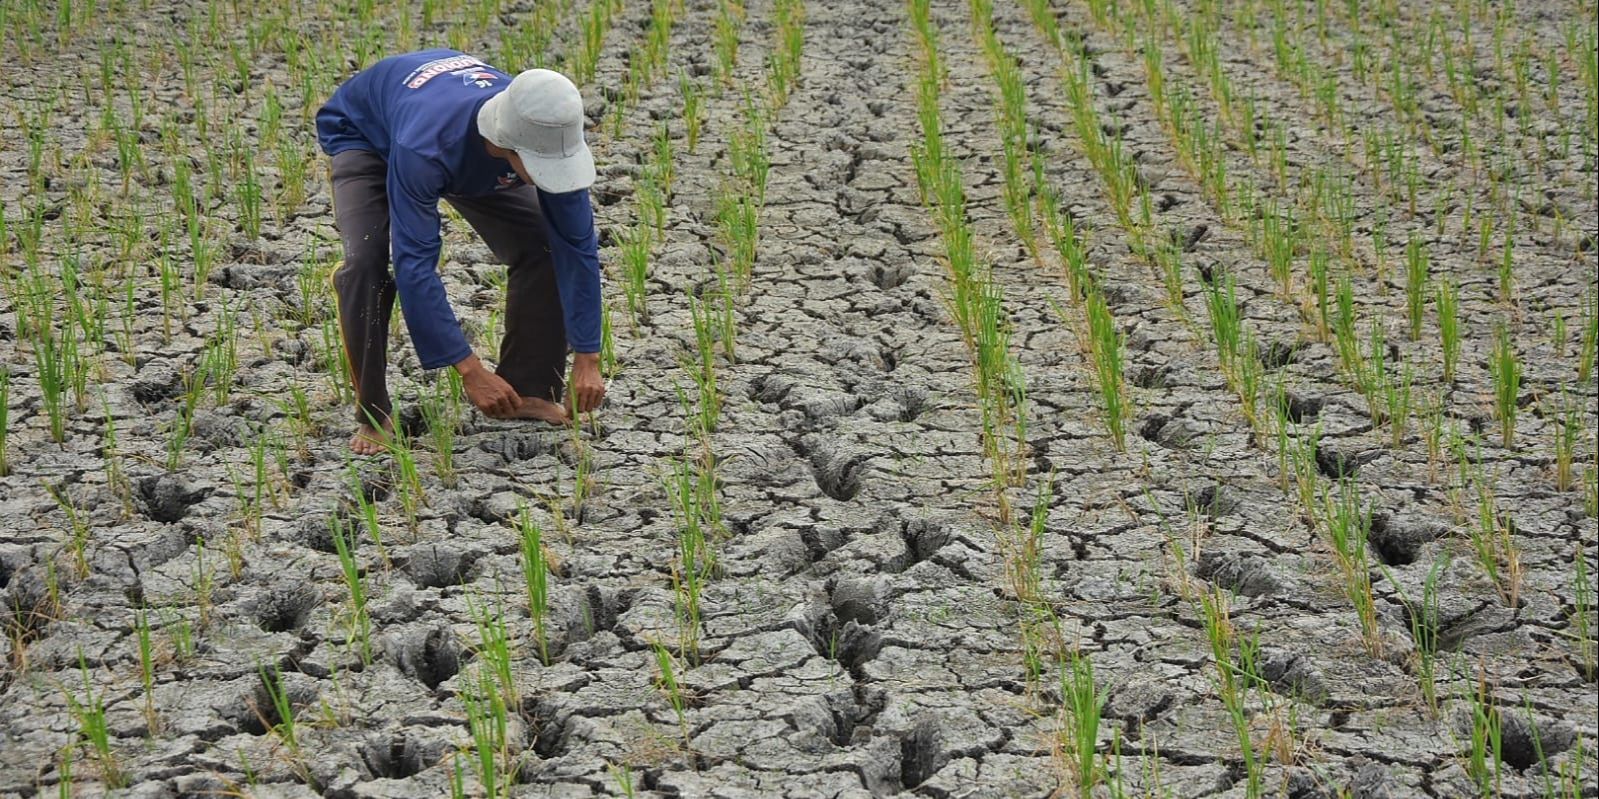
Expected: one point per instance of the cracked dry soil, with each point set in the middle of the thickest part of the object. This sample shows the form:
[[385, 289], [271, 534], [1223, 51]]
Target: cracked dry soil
[[859, 639]]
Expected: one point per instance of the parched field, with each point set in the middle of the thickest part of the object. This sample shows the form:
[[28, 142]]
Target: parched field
[[1179, 398]]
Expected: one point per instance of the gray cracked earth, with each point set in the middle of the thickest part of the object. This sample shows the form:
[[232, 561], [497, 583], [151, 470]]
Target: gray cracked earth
[[860, 639]]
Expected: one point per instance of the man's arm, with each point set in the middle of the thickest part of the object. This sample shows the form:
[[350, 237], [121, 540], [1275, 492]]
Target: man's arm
[[574, 251], [414, 186]]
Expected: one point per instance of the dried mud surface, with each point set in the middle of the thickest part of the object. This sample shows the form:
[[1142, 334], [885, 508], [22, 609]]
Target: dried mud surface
[[860, 641]]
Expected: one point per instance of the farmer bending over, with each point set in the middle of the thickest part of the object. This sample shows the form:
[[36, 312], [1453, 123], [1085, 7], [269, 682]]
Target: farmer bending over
[[509, 156]]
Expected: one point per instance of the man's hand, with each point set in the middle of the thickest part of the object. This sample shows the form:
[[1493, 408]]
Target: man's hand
[[487, 390], [588, 388]]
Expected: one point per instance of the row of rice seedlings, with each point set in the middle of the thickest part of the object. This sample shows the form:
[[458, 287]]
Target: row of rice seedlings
[[976, 302], [653, 191], [1011, 119], [783, 61], [1105, 151], [743, 195]]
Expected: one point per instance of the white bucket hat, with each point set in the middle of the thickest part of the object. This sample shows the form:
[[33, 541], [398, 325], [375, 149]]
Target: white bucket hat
[[540, 116]]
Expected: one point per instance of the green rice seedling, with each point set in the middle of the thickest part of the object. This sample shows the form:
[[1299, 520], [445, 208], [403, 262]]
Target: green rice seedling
[[1567, 431], [1424, 620], [1026, 567], [146, 647], [1558, 333], [52, 357], [652, 205], [662, 160], [457, 775], [1582, 632], [702, 368], [5, 420], [635, 243], [360, 623], [1448, 307], [64, 768], [1505, 368], [493, 649], [181, 636], [666, 681], [693, 100], [727, 327], [181, 426], [1346, 337], [1493, 544], [1106, 345], [535, 572], [1416, 273], [1507, 269], [1221, 301], [695, 561], [441, 410], [1396, 402], [1062, 231], [1246, 377], [488, 723], [1347, 522], [609, 364], [738, 224], [408, 486], [725, 38], [1170, 260], [1277, 244], [89, 715], [1485, 758], [1318, 265], [783, 62], [1590, 337], [78, 528], [1082, 704], [286, 728], [746, 150], [1233, 683], [623, 777], [368, 511]]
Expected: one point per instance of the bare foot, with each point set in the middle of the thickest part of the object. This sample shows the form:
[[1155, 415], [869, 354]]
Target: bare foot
[[541, 410], [368, 440]]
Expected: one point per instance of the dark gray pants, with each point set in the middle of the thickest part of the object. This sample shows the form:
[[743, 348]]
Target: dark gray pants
[[533, 350]]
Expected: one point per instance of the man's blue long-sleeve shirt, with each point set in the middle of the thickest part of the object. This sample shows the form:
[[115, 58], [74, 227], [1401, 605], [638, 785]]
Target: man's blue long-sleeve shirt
[[419, 112]]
